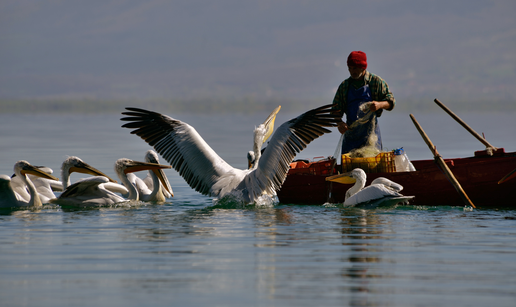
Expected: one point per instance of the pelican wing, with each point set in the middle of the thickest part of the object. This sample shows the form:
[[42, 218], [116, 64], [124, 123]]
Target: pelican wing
[[45, 187], [19, 188], [84, 187], [89, 191], [289, 139], [388, 183], [180, 145], [139, 184], [116, 188]]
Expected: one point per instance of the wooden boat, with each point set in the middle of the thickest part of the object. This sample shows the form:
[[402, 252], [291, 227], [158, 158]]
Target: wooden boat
[[472, 181], [478, 175]]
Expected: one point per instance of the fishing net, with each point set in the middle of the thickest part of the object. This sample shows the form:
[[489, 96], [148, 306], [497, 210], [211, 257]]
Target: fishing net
[[369, 149], [368, 157]]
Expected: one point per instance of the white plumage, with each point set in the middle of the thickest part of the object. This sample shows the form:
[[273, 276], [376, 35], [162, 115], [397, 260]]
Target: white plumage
[[45, 187], [75, 164], [146, 187], [89, 192], [207, 173], [10, 198], [97, 190], [380, 188]]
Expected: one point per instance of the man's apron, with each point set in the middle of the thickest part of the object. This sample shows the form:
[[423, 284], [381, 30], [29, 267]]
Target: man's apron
[[357, 137]]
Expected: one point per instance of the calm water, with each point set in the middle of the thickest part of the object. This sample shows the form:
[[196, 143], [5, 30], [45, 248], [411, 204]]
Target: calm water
[[190, 252]]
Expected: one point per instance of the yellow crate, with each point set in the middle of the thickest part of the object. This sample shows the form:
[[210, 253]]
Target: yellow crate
[[382, 163]]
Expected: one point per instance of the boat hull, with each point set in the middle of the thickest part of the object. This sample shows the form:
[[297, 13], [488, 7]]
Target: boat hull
[[478, 176]]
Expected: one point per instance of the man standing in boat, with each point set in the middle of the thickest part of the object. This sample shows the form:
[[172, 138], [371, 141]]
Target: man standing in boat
[[364, 89]]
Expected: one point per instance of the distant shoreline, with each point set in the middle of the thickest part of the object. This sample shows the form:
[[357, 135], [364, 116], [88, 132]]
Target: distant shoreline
[[221, 106]]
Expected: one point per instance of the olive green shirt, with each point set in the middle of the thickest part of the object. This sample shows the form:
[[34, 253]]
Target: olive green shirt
[[379, 91]]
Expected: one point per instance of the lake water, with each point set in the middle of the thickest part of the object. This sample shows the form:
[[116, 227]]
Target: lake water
[[190, 252]]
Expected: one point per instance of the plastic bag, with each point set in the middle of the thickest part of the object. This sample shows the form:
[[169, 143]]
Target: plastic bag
[[402, 162]]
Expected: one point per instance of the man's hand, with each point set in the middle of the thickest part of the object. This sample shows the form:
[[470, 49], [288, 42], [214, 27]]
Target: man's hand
[[377, 105], [343, 127]]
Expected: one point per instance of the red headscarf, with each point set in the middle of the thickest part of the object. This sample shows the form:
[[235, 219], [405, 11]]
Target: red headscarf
[[358, 59]]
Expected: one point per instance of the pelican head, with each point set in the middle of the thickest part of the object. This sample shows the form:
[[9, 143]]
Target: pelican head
[[357, 176], [75, 164], [269, 124], [22, 168], [125, 166], [44, 169], [261, 134], [350, 177]]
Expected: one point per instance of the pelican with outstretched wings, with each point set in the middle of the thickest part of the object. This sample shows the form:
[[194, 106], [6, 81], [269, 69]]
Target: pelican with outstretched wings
[[206, 172]]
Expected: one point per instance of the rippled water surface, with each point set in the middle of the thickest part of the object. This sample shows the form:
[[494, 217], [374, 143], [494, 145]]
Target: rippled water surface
[[192, 252]]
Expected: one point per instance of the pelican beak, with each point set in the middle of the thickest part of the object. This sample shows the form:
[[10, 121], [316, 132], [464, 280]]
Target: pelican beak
[[509, 176], [85, 168], [36, 171], [342, 178], [269, 123], [164, 180], [44, 169], [136, 166], [160, 174]]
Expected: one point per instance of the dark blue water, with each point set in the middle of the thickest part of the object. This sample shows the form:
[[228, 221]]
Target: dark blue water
[[190, 252]]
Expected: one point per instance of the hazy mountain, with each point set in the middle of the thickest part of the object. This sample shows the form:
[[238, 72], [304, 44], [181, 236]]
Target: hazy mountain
[[290, 49]]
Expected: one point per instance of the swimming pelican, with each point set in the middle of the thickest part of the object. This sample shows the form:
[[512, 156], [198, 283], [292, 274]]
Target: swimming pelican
[[44, 186], [9, 198], [207, 173], [93, 192], [88, 192], [380, 188], [75, 164], [146, 186]]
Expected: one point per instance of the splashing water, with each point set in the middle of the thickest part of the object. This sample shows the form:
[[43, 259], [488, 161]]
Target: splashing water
[[234, 200], [266, 201]]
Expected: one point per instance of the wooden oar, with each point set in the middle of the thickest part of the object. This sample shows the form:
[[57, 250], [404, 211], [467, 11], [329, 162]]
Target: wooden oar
[[509, 176], [490, 148], [439, 160]]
